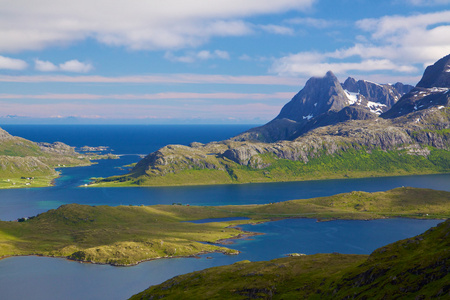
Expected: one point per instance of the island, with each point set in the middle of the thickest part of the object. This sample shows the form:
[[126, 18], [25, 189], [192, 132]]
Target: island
[[328, 130], [127, 235]]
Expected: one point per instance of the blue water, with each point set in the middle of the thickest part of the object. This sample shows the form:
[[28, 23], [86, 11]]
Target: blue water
[[126, 139], [49, 278]]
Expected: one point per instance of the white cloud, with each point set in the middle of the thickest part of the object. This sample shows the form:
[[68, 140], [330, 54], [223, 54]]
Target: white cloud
[[192, 56], [45, 66], [399, 44], [68, 66], [314, 64], [12, 63], [75, 66], [140, 24]]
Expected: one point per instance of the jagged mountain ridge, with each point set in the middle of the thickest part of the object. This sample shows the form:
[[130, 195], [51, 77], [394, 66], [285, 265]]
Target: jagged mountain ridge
[[432, 90], [350, 142], [324, 101]]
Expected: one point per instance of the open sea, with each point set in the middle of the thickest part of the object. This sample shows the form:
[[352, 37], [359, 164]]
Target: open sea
[[51, 278]]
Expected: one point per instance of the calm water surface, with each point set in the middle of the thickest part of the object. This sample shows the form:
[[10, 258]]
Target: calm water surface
[[49, 278]]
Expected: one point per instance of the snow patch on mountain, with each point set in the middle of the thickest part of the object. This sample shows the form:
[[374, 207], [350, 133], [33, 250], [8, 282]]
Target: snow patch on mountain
[[352, 97], [376, 107]]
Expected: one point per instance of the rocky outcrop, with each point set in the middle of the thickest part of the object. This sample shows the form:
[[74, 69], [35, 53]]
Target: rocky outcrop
[[433, 90], [317, 97], [57, 148], [437, 75], [23, 158], [385, 95], [324, 120], [324, 101]]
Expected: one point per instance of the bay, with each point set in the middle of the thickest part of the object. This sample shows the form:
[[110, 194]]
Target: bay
[[143, 139], [52, 278]]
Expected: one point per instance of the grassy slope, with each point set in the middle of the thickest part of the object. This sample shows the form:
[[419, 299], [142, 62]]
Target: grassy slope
[[21, 159], [130, 234], [351, 163], [415, 268]]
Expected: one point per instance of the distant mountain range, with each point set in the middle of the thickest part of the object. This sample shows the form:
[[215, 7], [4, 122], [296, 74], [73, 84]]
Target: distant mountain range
[[328, 130]]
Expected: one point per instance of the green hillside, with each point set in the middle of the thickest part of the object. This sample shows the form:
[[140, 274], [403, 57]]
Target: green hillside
[[416, 268], [127, 235], [24, 163]]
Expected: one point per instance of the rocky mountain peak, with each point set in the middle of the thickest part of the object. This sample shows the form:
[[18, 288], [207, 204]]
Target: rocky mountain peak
[[437, 75], [319, 95], [433, 90], [377, 97]]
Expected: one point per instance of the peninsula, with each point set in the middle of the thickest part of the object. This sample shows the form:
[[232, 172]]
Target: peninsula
[[414, 268], [24, 163], [328, 130], [127, 235]]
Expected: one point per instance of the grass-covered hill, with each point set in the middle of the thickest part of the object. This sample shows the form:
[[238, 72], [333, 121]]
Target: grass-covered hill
[[417, 143], [127, 235], [26, 163], [415, 268], [324, 132]]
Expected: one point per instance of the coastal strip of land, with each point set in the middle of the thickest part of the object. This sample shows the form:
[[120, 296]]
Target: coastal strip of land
[[127, 235]]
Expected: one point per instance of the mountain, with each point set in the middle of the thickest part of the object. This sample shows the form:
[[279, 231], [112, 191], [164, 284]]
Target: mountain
[[324, 101], [431, 91], [26, 163], [414, 268], [319, 134]]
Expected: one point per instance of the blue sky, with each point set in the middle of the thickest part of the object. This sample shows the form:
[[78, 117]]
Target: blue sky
[[201, 61]]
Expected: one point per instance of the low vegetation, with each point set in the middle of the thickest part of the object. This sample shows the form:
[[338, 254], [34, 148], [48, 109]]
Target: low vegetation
[[126, 235], [24, 163], [415, 268], [351, 163]]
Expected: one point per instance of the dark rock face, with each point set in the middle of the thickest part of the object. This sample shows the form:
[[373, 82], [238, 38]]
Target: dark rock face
[[403, 88], [437, 75], [348, 113], [432, 90], [324, 101], [318, 96], [379, 93]]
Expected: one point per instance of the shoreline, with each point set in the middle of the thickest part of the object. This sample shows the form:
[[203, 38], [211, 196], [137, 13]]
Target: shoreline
[[244, 235], [118, 184]]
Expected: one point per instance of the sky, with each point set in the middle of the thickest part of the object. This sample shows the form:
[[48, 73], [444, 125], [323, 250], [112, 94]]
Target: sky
[[201, 61]]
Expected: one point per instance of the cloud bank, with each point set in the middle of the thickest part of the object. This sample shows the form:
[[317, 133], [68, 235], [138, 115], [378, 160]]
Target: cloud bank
[[139, 24], [399, 44]]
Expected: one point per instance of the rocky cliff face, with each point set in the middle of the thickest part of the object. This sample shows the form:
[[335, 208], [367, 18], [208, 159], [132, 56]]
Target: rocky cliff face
[[324, 101], [318, 96], [433, 90], [340, 126], [377, 97]]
